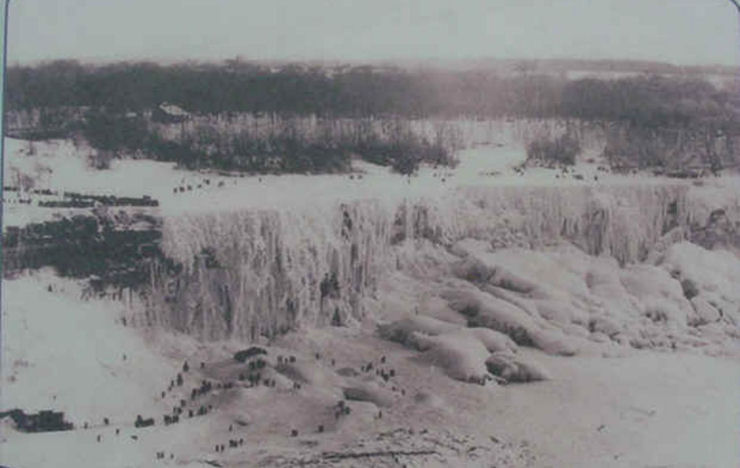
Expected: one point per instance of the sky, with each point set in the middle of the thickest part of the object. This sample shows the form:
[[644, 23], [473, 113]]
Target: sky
[[684, 32]]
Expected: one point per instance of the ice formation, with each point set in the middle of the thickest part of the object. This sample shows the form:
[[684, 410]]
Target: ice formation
[[248, 272]]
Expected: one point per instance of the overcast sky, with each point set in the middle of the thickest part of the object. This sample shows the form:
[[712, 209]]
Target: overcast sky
[[677, 31]]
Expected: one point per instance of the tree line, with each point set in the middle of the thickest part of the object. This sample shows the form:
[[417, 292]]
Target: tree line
[[682, 112], [364, 91]]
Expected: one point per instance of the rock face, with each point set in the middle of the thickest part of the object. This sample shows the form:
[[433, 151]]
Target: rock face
[[248, 273]]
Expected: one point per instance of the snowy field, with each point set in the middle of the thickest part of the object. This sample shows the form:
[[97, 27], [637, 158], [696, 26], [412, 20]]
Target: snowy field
[[59, 166], [500, 355]]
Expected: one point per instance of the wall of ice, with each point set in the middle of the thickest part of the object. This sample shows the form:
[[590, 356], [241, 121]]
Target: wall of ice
[[249, 272]]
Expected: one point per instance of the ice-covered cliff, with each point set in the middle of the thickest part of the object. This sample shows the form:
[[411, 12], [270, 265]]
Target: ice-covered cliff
[[248, 272]]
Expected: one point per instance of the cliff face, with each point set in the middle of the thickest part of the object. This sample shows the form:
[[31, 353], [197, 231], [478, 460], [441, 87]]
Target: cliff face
[[247, 273]]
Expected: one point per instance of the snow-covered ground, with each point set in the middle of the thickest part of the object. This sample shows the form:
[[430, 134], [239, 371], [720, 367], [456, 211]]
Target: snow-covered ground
[[443, 315], [60, 166], [635, 408]]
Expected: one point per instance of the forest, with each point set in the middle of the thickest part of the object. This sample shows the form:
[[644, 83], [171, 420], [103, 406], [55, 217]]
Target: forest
[[651, 120]]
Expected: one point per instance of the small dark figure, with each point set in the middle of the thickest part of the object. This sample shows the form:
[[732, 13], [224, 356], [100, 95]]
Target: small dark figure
[[231, 427], [190, 413], [185, 367], [382, 360], [106, 421], [98, 437], [179, 380], [118, 431], [321, 428], [333, 362], [380, 415], [318, 356], [202, 365], [162, 394], [294, 433], [135, 437], [292, 359], [84, 426]]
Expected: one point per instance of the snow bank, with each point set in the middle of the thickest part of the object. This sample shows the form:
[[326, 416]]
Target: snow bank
[[60, 353]]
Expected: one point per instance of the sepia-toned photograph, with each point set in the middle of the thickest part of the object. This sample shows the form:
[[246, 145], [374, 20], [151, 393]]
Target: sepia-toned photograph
[[370, 233]]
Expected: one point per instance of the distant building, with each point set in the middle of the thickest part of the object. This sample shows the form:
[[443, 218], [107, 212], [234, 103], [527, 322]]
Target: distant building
[[169, 113]]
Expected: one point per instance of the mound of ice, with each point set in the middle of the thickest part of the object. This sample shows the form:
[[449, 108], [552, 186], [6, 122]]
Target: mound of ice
[[402, 331], [556, 298], [306, 372], [458, 356], [436, 307], [515, 368], [491, 339], [368, 391], [715, 275]]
